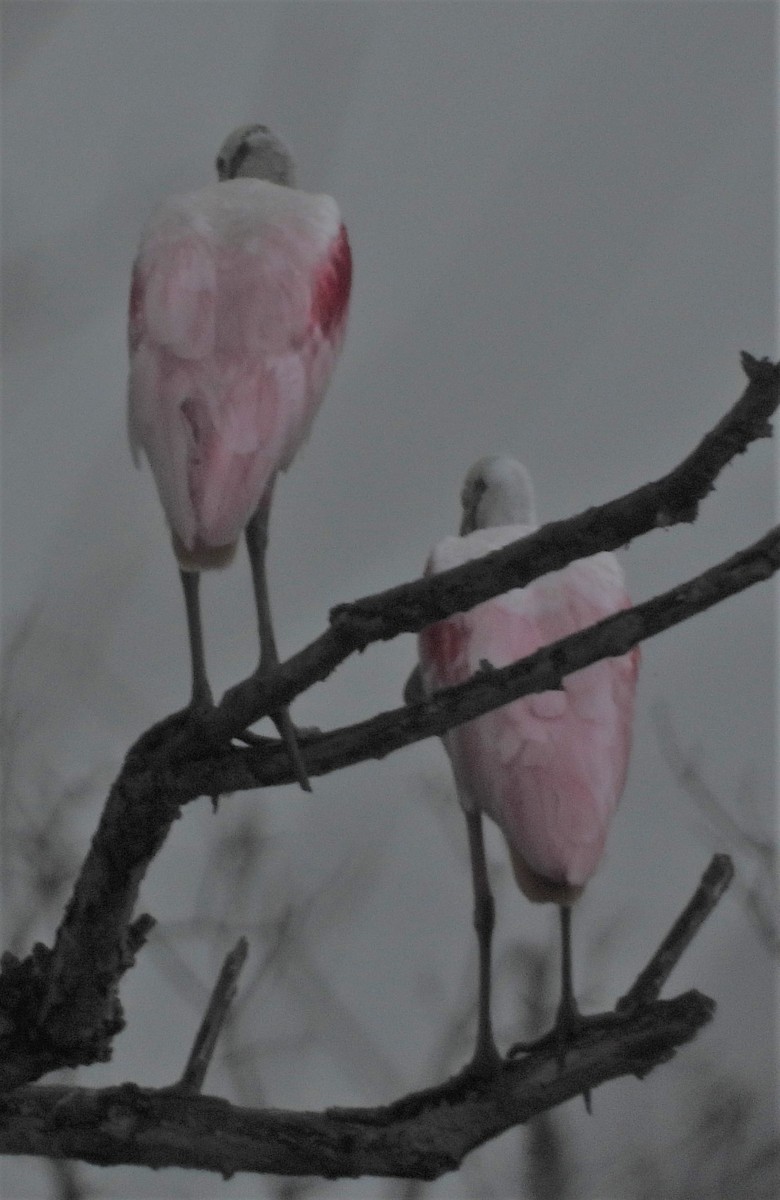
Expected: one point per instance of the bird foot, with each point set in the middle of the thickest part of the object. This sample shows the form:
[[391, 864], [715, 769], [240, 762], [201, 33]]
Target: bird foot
[[289, 735], [304, 733], [200, 706], [169, 726], [301, 733], [287, 731], [485, 1063], [254, 739], [569, 1024]]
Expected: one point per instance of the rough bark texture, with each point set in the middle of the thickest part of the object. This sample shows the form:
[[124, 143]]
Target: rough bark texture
[[420, 1137]]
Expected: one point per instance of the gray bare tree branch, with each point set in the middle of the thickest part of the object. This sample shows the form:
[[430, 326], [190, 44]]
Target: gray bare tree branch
[[60, 1007], [421, 1136]]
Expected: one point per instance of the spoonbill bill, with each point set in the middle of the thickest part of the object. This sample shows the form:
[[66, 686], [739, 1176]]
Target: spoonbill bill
[[548, 768], [238, 310]]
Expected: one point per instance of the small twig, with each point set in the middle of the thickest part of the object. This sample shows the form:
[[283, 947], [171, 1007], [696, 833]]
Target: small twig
[[213, 1019], [646, 988], [684, 767], [761, 895]]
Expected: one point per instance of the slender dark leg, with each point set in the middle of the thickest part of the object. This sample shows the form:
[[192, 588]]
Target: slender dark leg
[[569, 1018], [257, 544], [486, 1058], [413, 688], [568, 1013], [201, 692]]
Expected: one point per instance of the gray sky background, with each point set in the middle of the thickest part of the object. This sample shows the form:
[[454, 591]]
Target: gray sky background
[[562, 224]]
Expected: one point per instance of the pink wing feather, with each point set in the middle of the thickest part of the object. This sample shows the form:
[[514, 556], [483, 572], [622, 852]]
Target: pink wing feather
[[238, 309], [548, 768]]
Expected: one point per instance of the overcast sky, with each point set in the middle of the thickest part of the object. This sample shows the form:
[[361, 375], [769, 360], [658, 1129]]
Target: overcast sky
[[561, 218]]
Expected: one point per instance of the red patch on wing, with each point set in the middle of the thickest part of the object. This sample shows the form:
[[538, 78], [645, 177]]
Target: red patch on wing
[[332, 285], [444, 646]]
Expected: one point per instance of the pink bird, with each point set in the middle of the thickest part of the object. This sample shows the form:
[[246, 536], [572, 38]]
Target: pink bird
[[238, 310], [548, 768]]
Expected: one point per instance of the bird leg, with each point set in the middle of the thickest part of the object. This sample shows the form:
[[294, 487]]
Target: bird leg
[[257, 544], [201, 698], [568, 1018], [486, 1060], [569, 1021]]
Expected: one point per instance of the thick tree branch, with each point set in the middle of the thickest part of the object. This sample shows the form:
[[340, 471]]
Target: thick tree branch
[[419, 1140], [238, 768], [420, 1136]]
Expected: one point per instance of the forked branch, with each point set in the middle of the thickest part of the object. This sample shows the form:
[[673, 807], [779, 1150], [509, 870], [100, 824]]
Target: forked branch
[[235, 768], [60, 1007], [410, 607], [420, 1136]]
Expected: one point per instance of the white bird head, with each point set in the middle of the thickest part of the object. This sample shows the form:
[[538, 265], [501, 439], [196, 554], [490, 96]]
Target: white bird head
[[253, 152], [497, 491]]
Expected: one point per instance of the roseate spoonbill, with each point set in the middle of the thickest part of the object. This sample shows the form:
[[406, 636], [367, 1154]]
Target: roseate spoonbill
[[548, 768], [238, 311]]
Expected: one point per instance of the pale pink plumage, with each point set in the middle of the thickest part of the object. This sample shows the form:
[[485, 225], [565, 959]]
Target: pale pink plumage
[[549, 768], [237, 314]]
